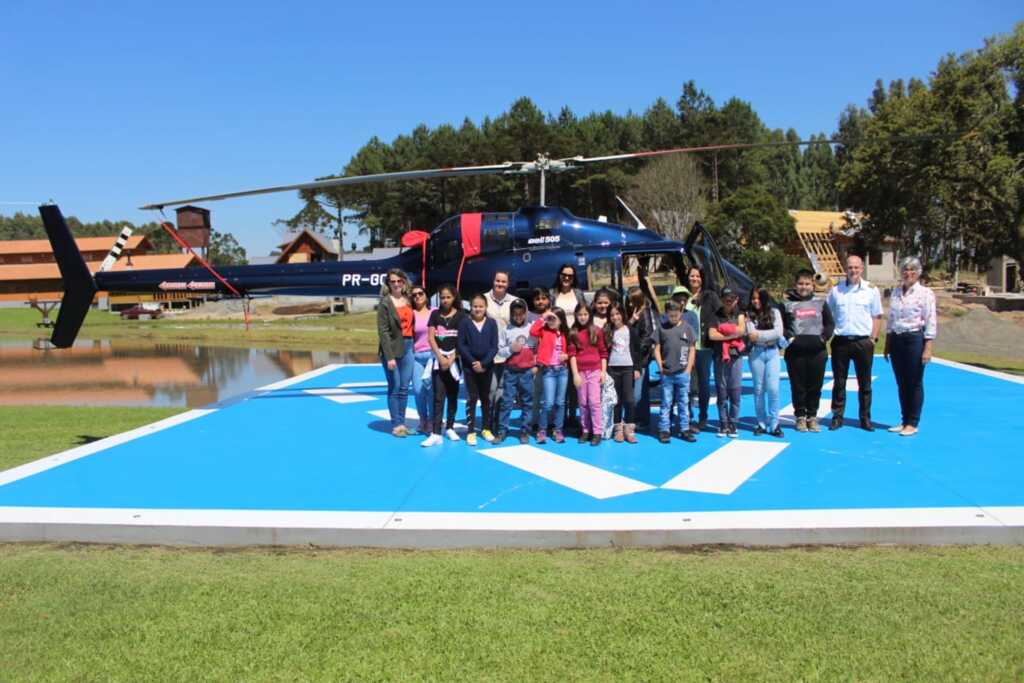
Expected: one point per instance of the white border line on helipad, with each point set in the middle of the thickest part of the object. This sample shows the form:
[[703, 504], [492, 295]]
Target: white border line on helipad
[[958, 525], [1016, 379]]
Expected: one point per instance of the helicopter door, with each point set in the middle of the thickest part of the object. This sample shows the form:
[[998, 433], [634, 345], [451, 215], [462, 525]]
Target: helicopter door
[[702, 251]]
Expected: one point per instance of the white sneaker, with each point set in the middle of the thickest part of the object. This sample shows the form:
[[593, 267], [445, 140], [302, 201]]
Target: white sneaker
[[452, 435], [896, 428], [432, 440]]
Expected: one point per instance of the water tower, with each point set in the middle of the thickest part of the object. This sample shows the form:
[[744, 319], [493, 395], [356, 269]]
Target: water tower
[[194, 227]]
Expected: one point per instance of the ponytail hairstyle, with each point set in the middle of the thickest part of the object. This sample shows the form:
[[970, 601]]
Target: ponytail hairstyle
[[589, 327]]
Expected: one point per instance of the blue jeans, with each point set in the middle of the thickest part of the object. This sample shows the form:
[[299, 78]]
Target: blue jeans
[[764, 368], [641, 394], [398, 384], [518, 384], [905, 351], [675, 393], [422, 389], [700, 386], [728, 379], [555, 380]]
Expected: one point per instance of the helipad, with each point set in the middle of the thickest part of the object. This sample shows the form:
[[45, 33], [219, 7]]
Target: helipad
[[310, 460]]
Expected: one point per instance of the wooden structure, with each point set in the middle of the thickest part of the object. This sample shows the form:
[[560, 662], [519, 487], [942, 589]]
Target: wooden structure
[[194, 226], [817, 230], [307, 247]]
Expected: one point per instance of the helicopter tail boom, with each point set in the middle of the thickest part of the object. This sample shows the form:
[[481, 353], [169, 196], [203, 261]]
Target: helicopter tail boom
[[79, 285]]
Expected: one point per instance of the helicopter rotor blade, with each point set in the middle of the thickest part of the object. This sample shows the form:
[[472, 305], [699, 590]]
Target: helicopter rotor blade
[[507, 168], [575, 161]]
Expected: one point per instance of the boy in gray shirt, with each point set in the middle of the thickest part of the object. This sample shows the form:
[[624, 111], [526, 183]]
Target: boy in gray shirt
[[674, 351]]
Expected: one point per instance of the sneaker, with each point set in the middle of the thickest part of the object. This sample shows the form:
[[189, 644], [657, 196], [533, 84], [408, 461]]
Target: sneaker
[[895, 429], [488, 436], [452, 435], [471, 438], [688, 437], [759, 430], [584, 438], [559, 437], [777, 432], [542, 436], [432, 440], [733, 434], [722, 432], [524, 437], [836, 423], [500, 437], [596, 440], [908, 430], [801, 424], [663, 437], [400, 431], [812, 425]]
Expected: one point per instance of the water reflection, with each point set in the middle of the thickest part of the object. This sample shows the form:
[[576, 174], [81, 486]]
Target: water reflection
[[127, 373]]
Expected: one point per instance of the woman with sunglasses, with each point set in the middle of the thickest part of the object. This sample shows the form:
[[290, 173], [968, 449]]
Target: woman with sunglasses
[[395, 323], [422, 388], [565, 293]]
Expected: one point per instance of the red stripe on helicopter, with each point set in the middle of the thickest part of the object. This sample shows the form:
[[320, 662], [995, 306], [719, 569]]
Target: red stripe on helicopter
[[471, 234]]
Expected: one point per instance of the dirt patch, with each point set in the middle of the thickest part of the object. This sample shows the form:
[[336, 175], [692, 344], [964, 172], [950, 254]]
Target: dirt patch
[[979, 331]]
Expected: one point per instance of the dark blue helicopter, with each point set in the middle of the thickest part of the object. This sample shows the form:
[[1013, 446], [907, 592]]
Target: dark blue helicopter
[[531, 244]]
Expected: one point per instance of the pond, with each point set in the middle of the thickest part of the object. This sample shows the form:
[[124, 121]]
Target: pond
[[128, 373]]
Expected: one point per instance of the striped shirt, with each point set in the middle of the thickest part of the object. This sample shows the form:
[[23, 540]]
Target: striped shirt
[[912, 311]]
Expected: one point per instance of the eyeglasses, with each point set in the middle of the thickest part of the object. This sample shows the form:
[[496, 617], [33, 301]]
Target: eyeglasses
[[419, 293], [395, 282], [568, 275]]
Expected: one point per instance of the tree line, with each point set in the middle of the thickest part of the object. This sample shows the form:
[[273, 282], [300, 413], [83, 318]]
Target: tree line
[[938, 166]]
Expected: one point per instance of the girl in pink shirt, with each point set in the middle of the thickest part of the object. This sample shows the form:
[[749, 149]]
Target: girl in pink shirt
[[422, 388], [588, 357]]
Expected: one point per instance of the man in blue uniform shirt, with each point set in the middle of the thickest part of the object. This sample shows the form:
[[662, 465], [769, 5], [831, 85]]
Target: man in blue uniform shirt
[[857, 308]]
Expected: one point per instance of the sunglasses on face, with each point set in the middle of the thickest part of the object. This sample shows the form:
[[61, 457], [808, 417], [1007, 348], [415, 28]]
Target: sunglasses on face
[[419, 293], [395, 282], [567, 275]]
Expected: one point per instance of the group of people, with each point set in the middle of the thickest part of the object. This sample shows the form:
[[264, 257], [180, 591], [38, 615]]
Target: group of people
[[561, 360]]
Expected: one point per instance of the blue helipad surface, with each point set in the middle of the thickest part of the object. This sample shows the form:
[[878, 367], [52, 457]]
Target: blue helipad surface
[[311, 460]]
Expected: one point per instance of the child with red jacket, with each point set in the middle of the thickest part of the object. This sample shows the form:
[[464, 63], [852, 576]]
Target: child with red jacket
[[552, 334]]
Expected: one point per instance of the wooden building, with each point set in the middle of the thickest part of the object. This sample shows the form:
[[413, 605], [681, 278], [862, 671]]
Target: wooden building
[[307, 247]]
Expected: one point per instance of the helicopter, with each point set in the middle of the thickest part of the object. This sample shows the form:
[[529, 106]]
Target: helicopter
[[531, 244]]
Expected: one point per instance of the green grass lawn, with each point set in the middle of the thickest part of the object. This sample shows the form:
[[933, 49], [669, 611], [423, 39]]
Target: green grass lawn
[[73, 612]]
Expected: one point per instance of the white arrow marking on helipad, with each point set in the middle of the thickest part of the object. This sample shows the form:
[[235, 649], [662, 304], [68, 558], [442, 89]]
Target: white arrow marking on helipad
[[573, 474], [725, 470]]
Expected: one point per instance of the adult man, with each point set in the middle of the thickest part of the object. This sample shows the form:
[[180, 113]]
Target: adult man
[[499, 304], [857, 308]]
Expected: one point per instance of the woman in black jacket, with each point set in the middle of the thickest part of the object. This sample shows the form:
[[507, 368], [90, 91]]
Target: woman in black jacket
[[395, 321], [705, 303]]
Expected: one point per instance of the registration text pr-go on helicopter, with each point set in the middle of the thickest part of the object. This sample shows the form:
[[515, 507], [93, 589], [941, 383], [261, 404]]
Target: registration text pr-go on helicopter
[[530, 243]]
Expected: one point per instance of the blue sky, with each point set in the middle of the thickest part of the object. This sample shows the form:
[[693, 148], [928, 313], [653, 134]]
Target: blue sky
[[107, 106]]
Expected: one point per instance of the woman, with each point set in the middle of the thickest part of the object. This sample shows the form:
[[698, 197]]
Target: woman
[[478, 345], [395, 321], [625, 357], [726, 334], [552, 333], [422, 389], [643, 322], [443, 331], [909, 337], [565, 293], [704, 303], [764, 331]]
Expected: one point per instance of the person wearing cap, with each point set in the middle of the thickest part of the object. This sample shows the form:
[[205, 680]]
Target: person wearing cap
[[727, 335], [857, 307], [520, 369]]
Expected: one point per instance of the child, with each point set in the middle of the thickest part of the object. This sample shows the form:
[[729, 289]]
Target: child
[[443, 332], [764, 331], [625, 361], [552, 333], [520, 368], [588, 357], [674, 352], [478, 344], [541, 303], [808, 327], [726, 334]]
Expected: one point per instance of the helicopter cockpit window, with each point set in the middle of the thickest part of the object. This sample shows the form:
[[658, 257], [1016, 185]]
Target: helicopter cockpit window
[[545, 225], [495, 239]]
